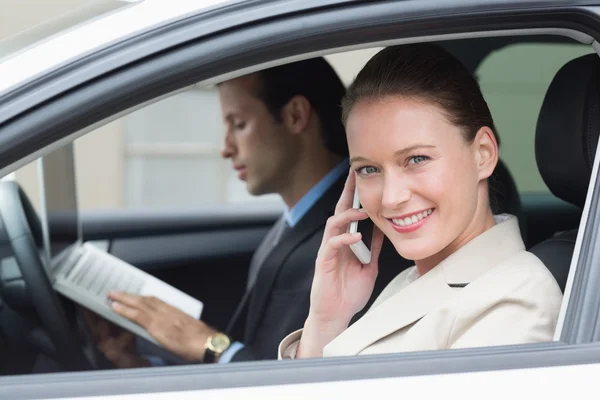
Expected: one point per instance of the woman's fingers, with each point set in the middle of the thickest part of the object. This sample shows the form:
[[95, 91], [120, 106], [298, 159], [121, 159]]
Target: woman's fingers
[[347, 196], [338, 224], [336, 243]]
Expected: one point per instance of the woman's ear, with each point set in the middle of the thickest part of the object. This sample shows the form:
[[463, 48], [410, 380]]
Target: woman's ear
[[296, 114], [486, 152]]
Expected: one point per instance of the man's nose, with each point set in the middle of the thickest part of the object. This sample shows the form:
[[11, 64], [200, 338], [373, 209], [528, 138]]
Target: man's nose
[[396, 191], [228, 149]]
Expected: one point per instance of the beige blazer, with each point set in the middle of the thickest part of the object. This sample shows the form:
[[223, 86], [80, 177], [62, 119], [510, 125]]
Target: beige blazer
[[490, 292]]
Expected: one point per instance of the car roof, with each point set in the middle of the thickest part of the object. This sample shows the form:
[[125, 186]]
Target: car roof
[[143, 16], [95, 34]]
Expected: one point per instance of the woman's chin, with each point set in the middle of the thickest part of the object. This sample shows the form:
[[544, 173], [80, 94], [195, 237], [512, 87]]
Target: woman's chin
[[414, 251]]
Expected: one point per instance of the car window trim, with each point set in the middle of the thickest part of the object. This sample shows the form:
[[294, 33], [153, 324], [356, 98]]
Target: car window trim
[[289, 372], [579, 319], [313, 370], [144, 44]]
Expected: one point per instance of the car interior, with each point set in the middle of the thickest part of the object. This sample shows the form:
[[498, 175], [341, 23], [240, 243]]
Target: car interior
[[184, 247]]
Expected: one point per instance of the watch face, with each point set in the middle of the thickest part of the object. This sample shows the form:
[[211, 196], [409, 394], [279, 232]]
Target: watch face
[[219, 342]]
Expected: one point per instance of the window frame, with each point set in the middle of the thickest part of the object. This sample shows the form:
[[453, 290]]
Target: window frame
[[75, 111]]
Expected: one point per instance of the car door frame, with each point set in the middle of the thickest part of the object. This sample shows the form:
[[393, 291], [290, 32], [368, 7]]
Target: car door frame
[[98, 99]]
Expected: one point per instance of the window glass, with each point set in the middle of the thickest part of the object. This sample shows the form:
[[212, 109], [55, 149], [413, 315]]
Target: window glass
[[167, 154], [171, 155]]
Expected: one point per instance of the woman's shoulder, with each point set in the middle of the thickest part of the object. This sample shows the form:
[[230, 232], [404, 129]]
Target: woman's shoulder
[[518, 301], [522, 275], [527, 266]]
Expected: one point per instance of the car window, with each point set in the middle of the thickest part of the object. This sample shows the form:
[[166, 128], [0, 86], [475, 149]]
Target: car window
[[514, 81], [162, 156], [167, 154], [126, 144]]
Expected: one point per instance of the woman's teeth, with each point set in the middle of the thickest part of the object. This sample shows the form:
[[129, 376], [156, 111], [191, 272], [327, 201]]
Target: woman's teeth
[[412, 219]]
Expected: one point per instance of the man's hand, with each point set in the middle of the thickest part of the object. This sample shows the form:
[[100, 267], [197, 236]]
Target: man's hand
[[117, 345], [172, 328]]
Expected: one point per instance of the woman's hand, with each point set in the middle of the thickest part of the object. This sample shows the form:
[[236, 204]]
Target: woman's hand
[[342, 285]]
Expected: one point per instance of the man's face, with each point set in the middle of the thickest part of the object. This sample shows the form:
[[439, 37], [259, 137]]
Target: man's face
[[260, 148]]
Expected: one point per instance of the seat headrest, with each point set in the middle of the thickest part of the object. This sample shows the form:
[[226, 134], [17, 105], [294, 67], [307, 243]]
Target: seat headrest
[[568, 128]]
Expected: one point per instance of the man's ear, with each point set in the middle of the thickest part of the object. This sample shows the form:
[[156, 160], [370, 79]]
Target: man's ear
[[296, 114], [486, 152]]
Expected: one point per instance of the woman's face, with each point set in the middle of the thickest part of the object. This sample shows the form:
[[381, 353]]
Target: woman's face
[[418, 179]]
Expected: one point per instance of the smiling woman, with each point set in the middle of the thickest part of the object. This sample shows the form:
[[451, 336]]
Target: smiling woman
[[422, 147]]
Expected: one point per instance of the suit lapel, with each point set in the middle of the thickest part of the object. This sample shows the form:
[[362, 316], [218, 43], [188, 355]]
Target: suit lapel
[[392, 315], [311, 222], [236, 325], [264, 250]]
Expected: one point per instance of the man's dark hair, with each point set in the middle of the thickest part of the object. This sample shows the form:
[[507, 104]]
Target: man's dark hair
[[316, 80]]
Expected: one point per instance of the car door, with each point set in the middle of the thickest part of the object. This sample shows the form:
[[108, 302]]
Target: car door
[[281, 35]]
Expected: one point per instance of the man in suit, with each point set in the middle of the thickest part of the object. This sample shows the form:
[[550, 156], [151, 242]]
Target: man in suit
[[285, 136]]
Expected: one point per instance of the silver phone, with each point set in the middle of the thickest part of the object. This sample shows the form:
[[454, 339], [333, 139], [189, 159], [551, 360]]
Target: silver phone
[[360, 249]]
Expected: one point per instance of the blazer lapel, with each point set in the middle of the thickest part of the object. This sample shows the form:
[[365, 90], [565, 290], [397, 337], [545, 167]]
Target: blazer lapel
[[312, 221], [402, 309]]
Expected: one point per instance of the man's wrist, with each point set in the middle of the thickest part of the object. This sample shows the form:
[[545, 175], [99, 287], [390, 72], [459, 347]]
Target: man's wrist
[[216, 344], [198, 345]]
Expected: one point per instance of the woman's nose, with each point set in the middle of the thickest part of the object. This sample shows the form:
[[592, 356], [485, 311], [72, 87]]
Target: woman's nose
[[395, 193]]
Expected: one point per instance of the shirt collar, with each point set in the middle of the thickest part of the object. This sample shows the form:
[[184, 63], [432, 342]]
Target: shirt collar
[[295, 214]]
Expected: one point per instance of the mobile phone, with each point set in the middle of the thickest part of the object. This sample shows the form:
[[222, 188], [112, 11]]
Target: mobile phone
[[361, 249]]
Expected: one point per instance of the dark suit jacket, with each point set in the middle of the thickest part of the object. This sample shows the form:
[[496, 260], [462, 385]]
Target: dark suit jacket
[[279, 301]]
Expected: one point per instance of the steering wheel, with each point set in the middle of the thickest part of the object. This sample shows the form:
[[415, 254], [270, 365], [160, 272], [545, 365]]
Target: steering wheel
[[21, 229]]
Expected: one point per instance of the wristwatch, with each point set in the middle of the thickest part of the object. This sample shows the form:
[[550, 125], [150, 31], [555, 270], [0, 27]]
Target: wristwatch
[[215, 345]]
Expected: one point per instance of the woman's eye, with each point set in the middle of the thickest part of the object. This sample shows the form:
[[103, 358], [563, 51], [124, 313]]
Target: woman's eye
[[368, 170], [417, 159]]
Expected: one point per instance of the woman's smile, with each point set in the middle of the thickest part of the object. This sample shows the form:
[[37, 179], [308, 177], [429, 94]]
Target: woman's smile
[[411, 222]]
